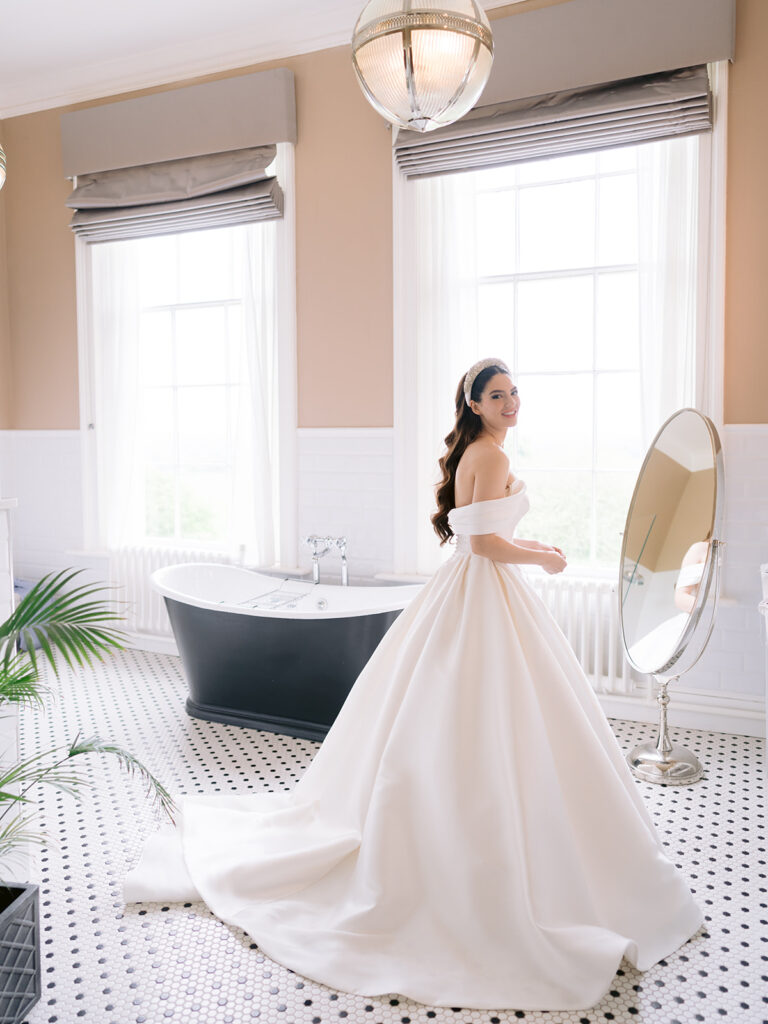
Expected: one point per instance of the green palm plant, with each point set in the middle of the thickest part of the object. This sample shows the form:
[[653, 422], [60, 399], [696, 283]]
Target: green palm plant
[[79, 623]]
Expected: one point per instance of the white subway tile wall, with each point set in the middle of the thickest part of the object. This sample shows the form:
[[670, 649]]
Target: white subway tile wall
[[345, 490]]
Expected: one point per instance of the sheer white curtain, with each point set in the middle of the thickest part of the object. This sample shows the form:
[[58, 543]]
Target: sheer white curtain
[[255, 514], [114, 302], [668, 202], [117, 411], [437, 338]]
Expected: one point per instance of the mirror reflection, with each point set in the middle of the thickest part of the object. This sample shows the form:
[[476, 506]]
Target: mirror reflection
[[667, 541]]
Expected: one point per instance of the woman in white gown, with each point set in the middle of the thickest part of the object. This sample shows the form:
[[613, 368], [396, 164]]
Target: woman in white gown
[[468, 833]]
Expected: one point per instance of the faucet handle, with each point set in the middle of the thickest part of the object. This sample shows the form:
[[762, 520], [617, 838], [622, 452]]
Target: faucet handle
[[341, 544]]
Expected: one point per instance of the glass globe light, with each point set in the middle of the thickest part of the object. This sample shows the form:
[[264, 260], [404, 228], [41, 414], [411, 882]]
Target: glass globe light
[[2, 167], [422, 66]]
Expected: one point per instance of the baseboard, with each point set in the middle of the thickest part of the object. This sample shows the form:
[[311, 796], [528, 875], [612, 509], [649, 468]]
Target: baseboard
[[151, 642], [713, 712]]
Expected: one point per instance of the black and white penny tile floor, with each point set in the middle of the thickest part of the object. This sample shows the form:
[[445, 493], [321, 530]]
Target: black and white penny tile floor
[[108, 964]]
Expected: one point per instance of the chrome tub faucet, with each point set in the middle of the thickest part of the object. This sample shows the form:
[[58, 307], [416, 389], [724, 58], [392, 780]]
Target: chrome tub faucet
[[321, 546]]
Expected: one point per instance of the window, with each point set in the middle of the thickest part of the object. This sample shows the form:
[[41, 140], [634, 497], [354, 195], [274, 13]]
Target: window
[[558, 291], [194, 398], [584, 274], [187, 383]]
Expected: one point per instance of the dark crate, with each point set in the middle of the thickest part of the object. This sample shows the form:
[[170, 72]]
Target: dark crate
[[19, 952]]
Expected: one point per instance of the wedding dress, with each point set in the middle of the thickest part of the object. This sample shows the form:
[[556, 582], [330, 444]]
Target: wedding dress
[[468, 834]]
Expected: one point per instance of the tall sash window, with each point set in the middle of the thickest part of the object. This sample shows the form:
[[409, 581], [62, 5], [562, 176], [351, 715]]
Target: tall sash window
[[574, 235]]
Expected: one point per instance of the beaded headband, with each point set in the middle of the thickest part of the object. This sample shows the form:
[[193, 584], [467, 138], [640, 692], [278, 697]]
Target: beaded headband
[[473, 371]]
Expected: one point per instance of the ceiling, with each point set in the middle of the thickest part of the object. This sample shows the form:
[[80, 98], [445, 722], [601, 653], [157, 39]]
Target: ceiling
[[52, 53]]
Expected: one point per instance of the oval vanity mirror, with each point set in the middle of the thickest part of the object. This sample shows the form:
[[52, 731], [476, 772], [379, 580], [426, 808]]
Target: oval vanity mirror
[[670, 561]]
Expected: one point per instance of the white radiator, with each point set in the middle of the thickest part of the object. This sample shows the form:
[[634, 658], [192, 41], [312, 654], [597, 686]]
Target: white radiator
[[130, 569], [587, 612]]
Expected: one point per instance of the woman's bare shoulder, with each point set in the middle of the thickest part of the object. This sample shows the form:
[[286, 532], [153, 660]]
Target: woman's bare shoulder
[[486, 455], [482, 473]]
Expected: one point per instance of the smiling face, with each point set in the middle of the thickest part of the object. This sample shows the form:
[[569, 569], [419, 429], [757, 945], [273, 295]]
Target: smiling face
[[499, 403]]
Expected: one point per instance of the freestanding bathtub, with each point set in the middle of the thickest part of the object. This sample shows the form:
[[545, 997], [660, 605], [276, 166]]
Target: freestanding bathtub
[[273, 653]]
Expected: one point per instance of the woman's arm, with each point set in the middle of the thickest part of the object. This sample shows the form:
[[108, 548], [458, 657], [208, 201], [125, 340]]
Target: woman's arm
[[491, 545], [491, 475]]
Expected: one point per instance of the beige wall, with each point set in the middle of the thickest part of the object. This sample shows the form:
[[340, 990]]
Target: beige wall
[[746, 294], [41, 277], [343, 248], [344, 252]]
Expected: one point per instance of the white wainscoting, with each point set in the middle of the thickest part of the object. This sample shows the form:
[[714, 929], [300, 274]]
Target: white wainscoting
[[734, 663], [42, 468], [346, 487]]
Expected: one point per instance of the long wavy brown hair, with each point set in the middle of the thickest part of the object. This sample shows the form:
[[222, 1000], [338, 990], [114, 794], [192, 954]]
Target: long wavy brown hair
[[466, 428]]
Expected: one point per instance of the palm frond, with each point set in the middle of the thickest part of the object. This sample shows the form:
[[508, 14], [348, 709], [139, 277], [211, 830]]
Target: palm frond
[[77, 622], [19, 683], [16, 835], [18, 779], [74, 620], [155, 789]]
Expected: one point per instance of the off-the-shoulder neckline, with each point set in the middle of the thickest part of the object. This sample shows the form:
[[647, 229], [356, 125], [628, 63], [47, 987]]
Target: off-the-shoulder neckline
[[494, 501]]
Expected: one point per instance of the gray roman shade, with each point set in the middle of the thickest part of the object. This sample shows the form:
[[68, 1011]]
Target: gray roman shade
[[177, 195], [575, 121], [179, 159], [577, 75]]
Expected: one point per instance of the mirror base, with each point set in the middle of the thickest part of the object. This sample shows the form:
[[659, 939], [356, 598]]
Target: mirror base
[[675, 767]]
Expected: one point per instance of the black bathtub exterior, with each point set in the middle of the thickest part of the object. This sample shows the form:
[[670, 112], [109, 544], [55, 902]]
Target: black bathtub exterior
[[285, 675]]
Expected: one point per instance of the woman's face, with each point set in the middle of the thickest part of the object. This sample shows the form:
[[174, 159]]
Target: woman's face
[[499, 403]]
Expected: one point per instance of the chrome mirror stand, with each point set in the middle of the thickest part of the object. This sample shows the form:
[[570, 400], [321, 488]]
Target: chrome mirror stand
[[663, 761], [660, 760]]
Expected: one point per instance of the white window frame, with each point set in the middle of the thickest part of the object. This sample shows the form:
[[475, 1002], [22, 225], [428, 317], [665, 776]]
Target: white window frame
[[287, 467]]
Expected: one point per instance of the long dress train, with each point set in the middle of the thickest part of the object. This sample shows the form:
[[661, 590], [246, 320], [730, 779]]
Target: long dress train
[[468, 834]]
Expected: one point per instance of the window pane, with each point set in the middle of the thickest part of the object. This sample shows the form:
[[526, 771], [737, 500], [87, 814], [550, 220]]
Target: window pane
[[618, 319], [496, 177], [561, 506], [557, 226], [495, 233], [201, 345], [160, 502], [203, 500], [613, 492], [618, 421], [556, 169], [554, 325], [158, 422], [555, 428], [206, 266], [496, 307], [623, 159], [156, 348], [158, 269], [237, 366], [203, 426], [618, 220]]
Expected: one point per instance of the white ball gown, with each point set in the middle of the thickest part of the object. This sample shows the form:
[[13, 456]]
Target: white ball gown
[[468, 834]]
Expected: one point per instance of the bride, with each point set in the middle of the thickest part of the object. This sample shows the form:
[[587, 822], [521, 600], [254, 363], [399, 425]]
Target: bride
[[468, 833]]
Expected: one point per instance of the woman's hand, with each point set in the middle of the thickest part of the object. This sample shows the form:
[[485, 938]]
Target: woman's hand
[[552, 560]]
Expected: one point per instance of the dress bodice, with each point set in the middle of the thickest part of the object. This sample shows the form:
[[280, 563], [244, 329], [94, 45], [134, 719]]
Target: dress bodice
[[497, 515]]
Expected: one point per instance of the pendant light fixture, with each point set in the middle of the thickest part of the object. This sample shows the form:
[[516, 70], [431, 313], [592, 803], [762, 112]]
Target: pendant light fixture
[[422, 63], [2, 167]]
